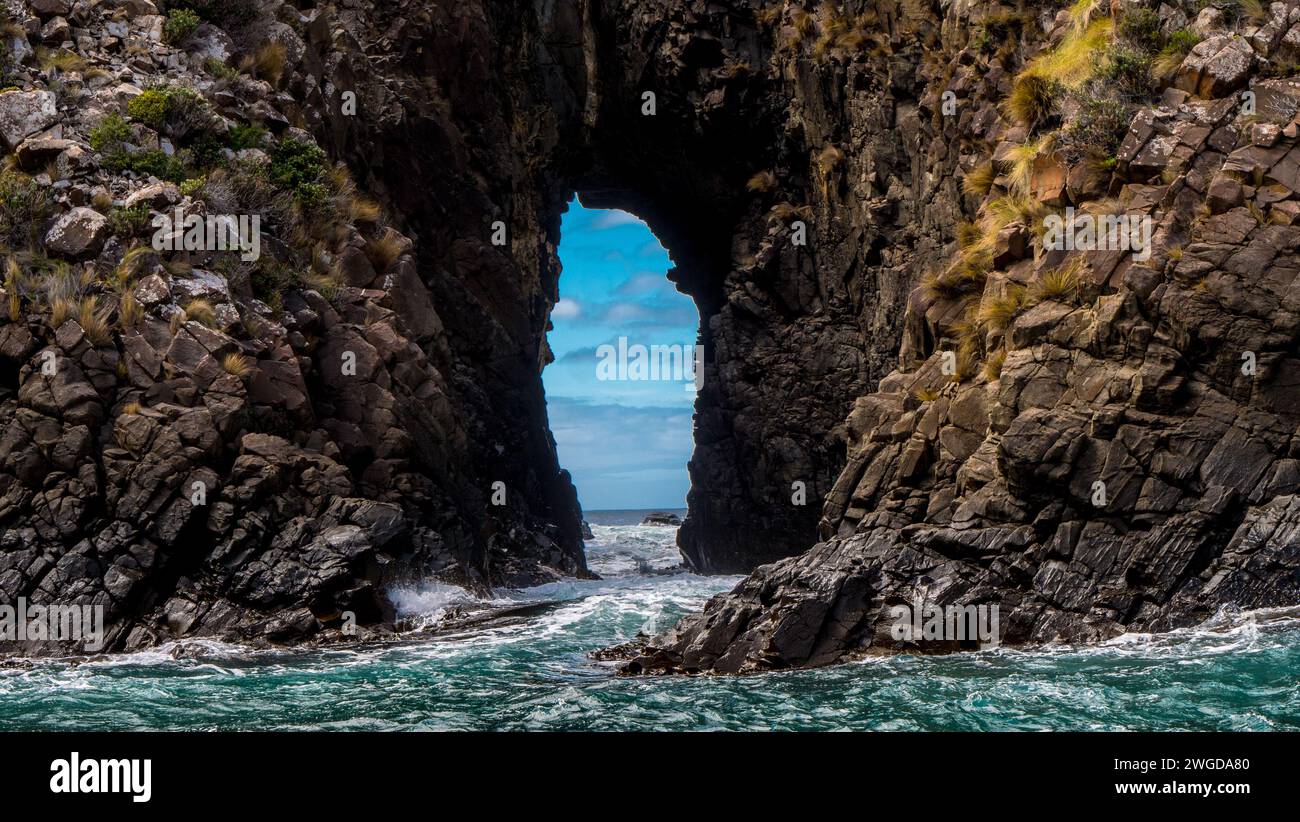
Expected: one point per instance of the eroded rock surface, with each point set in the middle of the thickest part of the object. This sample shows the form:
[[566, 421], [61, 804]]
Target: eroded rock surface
[[1117, 448]]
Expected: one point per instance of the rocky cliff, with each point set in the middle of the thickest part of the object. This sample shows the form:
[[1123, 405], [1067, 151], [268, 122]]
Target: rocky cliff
[[854, 194], [1090, 438]]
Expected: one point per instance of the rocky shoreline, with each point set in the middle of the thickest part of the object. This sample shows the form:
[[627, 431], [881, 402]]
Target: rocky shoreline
[[907, 396]]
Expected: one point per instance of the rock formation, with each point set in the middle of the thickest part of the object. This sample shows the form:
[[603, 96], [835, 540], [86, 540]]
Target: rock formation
[[1091, 439], [854, 194]]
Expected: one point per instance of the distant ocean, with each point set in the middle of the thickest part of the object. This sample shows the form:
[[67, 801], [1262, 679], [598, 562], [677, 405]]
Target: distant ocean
[[531, 671], [629, 516]]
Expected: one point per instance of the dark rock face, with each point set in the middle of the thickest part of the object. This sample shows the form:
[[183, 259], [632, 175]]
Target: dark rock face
[[661, 518], [1128, 460], [805, 172]]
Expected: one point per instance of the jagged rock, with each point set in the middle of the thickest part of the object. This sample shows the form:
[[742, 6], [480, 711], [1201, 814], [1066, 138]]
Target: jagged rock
[[157, 196], [210, 43], [50, 8], [36, 152], [1224, 194], [55, 31], [346, 436], [23, 113], [79, 233], [1216, 66]]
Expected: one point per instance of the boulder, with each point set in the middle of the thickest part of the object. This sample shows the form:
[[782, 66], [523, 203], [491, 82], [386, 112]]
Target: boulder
[[23, 113], [1216, 66], [78, 234], [36, 152], [50, 8]]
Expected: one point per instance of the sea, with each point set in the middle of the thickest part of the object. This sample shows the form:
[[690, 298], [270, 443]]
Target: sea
[[532, 670]]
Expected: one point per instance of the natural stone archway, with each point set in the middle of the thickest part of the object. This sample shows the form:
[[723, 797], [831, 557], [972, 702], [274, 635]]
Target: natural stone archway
[[784, 329], [825, 363], [322, 487]]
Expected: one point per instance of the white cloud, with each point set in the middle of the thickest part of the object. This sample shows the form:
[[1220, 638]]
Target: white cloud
[[566, 309], [614, 219]]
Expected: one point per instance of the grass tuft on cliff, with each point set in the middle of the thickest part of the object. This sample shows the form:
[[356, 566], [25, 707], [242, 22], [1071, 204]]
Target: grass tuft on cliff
[[1077, 58]]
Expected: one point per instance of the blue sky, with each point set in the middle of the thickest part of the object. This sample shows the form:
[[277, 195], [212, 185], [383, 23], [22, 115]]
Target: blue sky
[[625, 442]]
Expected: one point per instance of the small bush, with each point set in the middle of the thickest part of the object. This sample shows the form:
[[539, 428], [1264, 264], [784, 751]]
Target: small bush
[[150, 162], [24, 205], [270, 279], [1099, 128], [1175, 50], [180, 24], [128, 222], [298, 167], [243, 136], [112, 131], [178, 112], [1127, 72], [226, 13], [218, 68], [149, 107], [1141, 27]]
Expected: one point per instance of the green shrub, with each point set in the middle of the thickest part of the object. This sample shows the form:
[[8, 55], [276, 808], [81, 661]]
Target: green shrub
[[298, 166], [112, 131], [218, 68], [178, 112], [180, 24], [24, 205], [128, 222], [245, 136], [1127, 71], [311, 196], [207, 150], [1141, 27], [1099, 128], [1176, 49], [149, 107], [148, 162], [270, 279]]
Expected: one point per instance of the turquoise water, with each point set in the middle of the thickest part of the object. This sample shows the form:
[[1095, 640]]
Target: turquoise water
[[1235, 673]]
